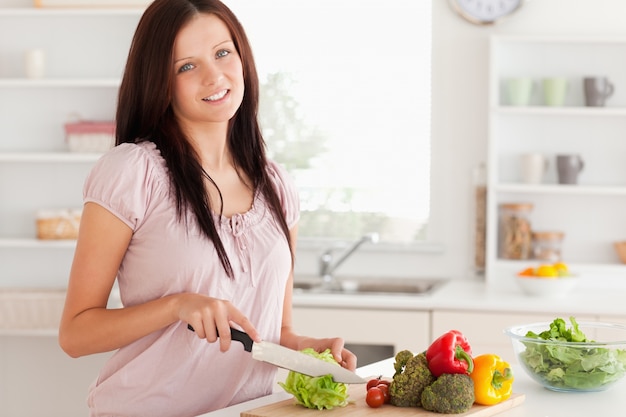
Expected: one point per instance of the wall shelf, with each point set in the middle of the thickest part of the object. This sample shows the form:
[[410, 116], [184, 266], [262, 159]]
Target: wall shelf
[[564, 111], [590, 213], [59, 83], [59, 157], [556, 189], [26, 243], [85, 50], [71, 12]]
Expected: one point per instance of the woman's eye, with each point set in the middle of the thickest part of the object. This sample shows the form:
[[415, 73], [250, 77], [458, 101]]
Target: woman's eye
[[185, 67], [222, 53]]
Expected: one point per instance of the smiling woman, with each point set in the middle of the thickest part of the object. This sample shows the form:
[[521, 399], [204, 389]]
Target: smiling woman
[[345, 106]]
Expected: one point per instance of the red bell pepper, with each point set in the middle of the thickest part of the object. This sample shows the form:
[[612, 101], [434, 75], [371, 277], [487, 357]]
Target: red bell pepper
[[450, 354]]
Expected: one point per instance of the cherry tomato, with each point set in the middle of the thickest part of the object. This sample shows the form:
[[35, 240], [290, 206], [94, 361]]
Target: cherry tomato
[[373, 383], [385, 389], [375, 397]]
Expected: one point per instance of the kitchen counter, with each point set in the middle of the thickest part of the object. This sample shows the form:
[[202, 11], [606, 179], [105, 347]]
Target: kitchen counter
[[593, 296], [540, 402], [463, 304]]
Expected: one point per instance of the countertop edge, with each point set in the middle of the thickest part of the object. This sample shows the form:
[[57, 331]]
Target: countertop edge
[[471, 295]]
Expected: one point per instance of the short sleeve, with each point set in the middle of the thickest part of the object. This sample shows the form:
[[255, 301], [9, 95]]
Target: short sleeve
[[287, 193], [126, 180]]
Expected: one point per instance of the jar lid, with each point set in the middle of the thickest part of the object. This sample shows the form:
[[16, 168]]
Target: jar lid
[[552, 235], [517, 206]]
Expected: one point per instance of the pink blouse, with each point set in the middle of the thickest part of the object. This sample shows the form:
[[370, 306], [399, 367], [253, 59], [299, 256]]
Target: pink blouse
[[171, 372]]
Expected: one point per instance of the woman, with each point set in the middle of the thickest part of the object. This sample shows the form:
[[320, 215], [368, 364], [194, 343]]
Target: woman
[[196, 224]]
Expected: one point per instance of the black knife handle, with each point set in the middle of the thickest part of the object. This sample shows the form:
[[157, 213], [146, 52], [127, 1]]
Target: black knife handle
[[237, 335]]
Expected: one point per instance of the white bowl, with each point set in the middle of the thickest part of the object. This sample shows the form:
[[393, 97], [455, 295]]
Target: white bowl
[[552, 287]]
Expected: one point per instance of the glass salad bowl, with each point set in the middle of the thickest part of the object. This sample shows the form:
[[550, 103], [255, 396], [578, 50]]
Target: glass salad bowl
[[594, 363]]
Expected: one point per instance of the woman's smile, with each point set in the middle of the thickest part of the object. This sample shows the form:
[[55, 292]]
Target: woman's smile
[[217, 96]]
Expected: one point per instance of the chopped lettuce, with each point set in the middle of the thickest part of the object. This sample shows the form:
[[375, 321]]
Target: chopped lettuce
[[571, 367], [316, 392]]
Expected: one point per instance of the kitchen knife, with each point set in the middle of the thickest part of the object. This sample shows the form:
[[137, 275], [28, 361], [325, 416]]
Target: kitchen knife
[[293, 360]]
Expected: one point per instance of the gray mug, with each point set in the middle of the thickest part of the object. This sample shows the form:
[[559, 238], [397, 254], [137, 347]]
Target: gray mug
[[597, 90], [568, 167]]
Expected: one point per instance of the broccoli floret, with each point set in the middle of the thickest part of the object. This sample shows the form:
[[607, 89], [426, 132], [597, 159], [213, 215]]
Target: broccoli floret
[[402, 358], [411, 377], [449, 394]]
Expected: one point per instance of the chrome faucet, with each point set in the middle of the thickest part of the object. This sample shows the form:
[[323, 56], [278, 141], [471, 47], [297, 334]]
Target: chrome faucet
[[326, 265]]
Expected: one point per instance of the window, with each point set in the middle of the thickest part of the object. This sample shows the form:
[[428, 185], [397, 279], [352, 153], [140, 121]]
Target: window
[[345, 106]]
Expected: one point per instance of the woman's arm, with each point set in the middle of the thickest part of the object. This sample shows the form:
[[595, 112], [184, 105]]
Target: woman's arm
[[87, 326], [290, 339]]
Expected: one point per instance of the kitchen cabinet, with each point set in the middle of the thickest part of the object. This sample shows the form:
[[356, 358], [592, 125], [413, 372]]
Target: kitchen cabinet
[[38, 379], [589, 213], [84, 55], [485, 330]]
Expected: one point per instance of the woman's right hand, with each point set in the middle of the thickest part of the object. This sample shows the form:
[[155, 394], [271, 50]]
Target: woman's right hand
[[211, 318], [88, 326]]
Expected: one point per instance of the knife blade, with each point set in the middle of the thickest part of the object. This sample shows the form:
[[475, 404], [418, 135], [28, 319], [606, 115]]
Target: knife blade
[[292, 360]]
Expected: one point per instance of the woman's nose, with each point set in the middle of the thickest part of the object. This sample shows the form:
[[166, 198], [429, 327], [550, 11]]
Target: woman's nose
[[212, 73]]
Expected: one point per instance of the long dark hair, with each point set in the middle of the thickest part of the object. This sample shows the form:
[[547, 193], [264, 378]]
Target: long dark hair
[[144, 113]]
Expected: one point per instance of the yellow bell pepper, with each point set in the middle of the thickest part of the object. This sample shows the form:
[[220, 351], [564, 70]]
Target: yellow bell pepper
[[493, 379]]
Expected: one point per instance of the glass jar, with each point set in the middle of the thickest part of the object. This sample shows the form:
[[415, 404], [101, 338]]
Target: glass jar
[[480, 218], [515, 240], [547, 246]]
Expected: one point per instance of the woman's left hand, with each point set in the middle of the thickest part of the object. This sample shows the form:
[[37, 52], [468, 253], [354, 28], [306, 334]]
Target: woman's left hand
[[343, 356]]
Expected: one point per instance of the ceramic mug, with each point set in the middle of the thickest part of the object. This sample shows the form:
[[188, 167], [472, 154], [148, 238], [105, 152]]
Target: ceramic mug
[[568, 167], [554, 91], [597, 90], [534, 167], [519, 91]]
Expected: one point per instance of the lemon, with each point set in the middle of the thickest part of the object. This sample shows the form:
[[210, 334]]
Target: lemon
[[561, 268], [547, 271]]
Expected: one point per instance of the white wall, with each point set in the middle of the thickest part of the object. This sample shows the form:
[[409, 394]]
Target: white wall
[[459, 125]]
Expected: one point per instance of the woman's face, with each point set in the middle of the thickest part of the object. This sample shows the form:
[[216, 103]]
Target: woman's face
[[208, 81]]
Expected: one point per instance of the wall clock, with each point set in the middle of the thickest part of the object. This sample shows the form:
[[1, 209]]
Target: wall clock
[[484, 12]]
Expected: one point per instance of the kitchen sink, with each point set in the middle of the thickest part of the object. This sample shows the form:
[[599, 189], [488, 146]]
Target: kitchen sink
[[371, 286]]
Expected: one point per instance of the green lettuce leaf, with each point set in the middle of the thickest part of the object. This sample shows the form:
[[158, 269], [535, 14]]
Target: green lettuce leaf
[[570, 366], [316, 392]]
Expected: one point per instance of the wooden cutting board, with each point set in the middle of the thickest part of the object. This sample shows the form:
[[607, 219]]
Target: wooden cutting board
[[358, 408]]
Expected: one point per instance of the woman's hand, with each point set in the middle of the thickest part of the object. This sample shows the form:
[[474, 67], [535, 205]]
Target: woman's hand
[[343, 356], [211, 318]]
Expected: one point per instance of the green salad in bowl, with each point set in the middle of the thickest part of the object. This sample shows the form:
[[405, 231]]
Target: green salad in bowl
[[585, 356]]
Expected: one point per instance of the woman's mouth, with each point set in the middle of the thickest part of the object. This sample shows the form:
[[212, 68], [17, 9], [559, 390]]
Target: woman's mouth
[[217, 96]]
